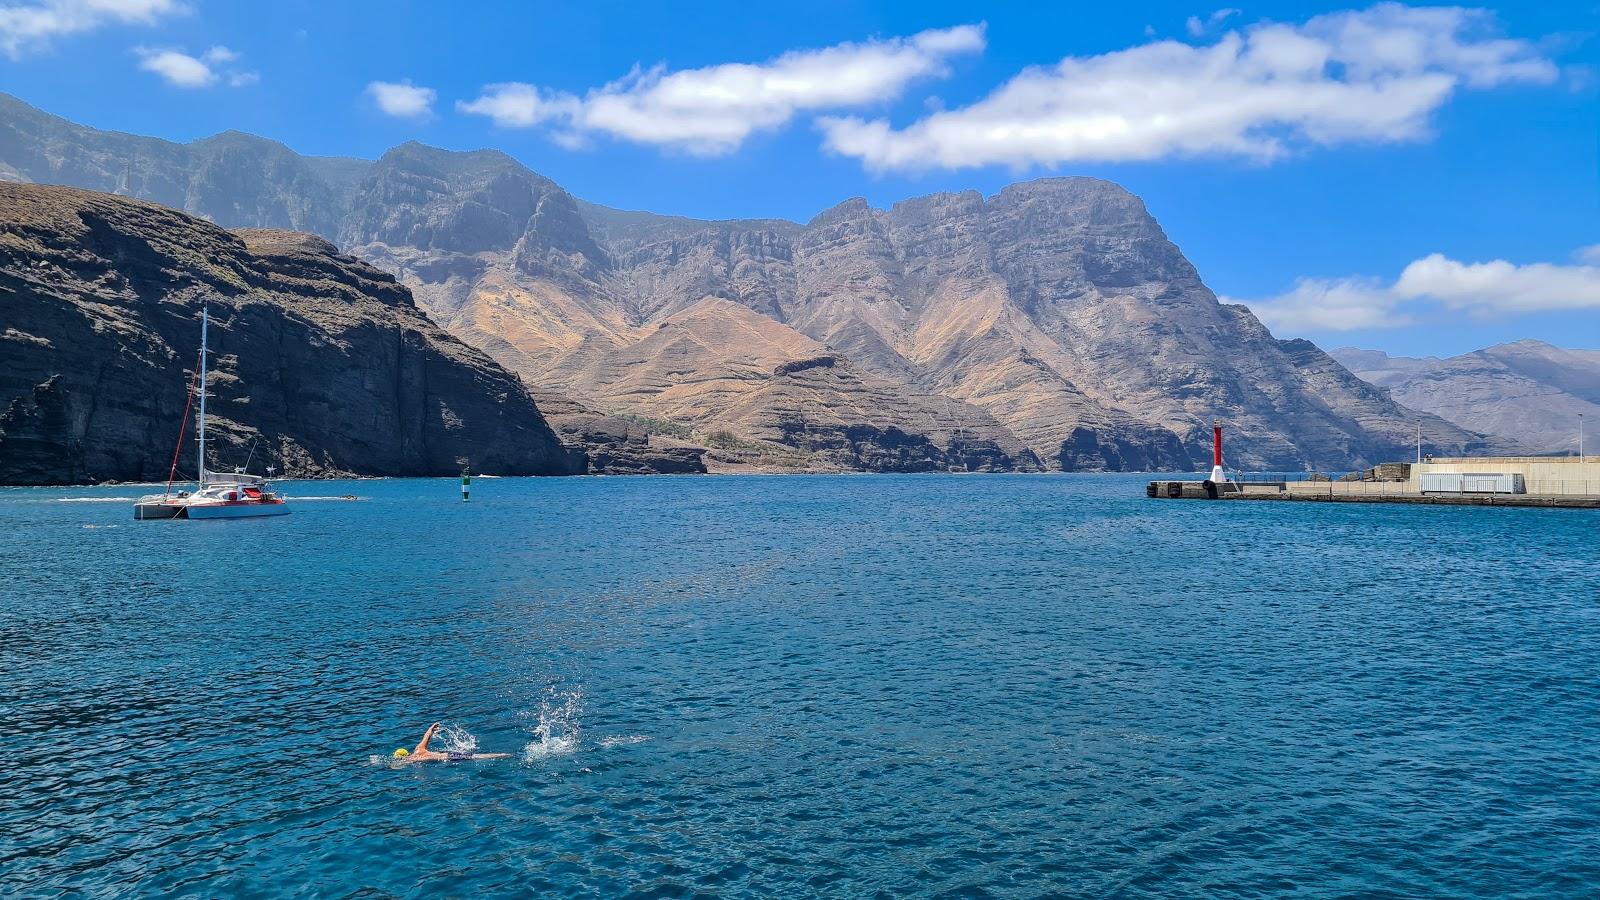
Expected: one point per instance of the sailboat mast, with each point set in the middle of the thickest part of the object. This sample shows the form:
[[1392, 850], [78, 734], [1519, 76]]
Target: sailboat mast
[[205, 320]]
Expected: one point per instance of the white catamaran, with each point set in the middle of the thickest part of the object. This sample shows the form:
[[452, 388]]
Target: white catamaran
[[217, 495]]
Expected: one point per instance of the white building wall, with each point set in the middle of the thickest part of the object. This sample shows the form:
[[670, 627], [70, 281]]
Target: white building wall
[[1559, 475]]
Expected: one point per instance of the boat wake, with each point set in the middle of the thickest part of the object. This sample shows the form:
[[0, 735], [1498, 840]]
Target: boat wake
[[96, 499], [559, 727]]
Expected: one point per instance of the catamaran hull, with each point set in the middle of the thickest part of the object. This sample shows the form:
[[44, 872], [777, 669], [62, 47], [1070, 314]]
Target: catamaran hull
[[143, 511], [235, 510]]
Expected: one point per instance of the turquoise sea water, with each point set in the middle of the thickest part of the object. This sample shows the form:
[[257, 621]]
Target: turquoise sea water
[[793, 686]]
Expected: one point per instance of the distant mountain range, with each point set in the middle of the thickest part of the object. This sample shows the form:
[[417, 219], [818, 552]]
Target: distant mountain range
[[1052, 325], [1527, 391]]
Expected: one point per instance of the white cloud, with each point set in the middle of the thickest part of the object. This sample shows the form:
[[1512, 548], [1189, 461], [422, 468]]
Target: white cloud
[[1434, 283], [1371, 75], [402, 99], [1589, 255], [31, 26], [1318, 304], [1197, 27], [712, 110], [1500, 287], [179, 69], [517, 105]]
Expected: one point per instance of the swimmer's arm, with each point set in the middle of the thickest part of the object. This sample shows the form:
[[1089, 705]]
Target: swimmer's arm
[[422, 745]]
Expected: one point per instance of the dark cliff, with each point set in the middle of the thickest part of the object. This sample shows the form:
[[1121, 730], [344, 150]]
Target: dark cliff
[[321, 363]]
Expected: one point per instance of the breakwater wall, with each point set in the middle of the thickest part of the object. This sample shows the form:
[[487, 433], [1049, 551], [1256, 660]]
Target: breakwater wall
[[1355, 492]]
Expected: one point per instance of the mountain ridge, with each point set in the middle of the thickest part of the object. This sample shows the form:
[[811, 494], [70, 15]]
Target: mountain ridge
[[1527, 390], [1056, 308]]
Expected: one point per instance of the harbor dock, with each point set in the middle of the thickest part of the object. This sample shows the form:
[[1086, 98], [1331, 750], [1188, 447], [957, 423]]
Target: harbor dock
[[1570, 482]]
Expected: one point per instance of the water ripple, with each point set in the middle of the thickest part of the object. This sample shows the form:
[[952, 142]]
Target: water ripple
[[1006, 686]]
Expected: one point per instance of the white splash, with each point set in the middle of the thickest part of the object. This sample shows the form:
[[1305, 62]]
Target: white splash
[[622, 740], [559, 728], [453, 738]]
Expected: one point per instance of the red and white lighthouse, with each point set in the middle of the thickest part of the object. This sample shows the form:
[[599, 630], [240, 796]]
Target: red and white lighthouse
[[1217, 475]]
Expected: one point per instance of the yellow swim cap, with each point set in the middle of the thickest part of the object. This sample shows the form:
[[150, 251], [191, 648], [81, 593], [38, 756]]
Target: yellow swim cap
[[402, 752]]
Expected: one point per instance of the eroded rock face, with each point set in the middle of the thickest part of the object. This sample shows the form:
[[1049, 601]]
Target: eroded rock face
[[1058, 307], [617, 446], [721, 367], [321, 364], [1056, 311]]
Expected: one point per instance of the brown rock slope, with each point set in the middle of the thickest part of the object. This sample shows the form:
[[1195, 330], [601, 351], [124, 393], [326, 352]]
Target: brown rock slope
[[321, 363], [1526, 391], [1061, 307], [720, 367]]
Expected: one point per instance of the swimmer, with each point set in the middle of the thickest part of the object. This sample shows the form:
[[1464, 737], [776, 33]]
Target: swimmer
[[423, 754]]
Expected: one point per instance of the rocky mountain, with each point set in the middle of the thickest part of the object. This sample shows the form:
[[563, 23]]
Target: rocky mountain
[[507, 259], [1057, 310], [233, 179], [321, 363], [1052, 324], [1526, 391]]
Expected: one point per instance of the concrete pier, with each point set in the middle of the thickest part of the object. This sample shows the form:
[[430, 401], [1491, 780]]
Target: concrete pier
[[1195, 490], [1567, 482]]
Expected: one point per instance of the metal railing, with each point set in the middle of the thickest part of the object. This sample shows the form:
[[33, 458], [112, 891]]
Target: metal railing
[[1285, 477]]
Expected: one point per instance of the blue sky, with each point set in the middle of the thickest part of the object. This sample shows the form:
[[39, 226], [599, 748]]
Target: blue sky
[[1415, 179]]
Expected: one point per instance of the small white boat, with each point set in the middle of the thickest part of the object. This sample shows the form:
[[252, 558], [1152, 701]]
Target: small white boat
[[216, 495]]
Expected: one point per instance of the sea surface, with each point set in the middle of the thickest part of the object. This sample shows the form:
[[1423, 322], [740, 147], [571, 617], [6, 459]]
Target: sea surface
[[1006, 686]]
